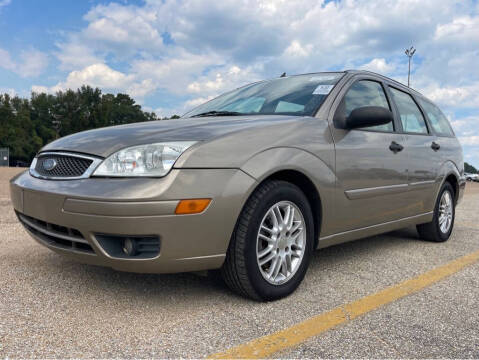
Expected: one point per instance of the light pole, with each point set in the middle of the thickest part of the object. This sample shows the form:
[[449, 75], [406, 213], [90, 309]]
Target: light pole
[[409, 52]]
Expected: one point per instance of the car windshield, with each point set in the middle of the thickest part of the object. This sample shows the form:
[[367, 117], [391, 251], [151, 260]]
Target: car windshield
[[300, 95]]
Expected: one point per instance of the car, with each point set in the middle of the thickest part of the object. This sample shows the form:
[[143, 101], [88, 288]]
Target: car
[[248, 184], [471, 177]]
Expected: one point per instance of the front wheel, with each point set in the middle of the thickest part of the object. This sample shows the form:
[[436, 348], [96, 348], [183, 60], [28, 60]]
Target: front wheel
[[272, 243], [440, 228]]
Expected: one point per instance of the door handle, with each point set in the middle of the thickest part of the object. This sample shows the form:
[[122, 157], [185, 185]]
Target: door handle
[[435, 146], [395, 147]]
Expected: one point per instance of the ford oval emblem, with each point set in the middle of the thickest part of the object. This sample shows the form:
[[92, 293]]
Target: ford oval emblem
[[49, 164]]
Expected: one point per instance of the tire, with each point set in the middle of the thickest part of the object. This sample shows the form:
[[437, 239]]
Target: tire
[[432, 231], [242, 271]]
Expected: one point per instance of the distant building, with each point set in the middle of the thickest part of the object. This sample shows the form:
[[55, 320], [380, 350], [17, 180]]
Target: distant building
[[4, 157]]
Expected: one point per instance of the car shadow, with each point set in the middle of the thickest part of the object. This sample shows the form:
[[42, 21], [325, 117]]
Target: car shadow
[[166, 289]]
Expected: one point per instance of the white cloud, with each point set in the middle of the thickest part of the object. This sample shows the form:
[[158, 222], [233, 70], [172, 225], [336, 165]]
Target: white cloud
[[293, 36], [4, 3], [40, 89], [31, 63], [378, 65], [295, 49], [466, 96], [142, 88], [465, 129], [6, 61], [197, 101], [225, 78], [462, 29], [472, 140], [464, 125], [9, 91], [75, 54], [117, 25], [96, 75], [175, 73]]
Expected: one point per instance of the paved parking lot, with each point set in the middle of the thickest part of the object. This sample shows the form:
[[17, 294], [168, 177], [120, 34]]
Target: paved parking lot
[[53, 307]]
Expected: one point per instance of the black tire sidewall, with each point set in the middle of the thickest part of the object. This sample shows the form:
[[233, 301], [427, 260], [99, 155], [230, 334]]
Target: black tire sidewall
[[444, 236], [281, 192]]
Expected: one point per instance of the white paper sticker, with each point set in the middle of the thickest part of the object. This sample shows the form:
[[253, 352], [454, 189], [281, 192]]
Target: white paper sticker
[[322, 89], [323, 78]]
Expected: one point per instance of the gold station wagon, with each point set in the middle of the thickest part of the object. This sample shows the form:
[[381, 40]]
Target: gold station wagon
[[249, 183]]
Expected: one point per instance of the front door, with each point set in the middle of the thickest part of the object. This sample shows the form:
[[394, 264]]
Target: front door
[[371, 166]]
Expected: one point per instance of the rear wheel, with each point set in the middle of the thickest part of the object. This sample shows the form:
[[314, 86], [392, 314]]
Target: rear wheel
[[272, 243], [440, 228]]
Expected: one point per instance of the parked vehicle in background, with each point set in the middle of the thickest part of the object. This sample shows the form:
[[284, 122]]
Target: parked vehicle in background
[[471, 177], [250, 182], [19, 163]]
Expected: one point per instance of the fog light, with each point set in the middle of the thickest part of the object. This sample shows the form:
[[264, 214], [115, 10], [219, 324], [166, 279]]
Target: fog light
[[129, 247]]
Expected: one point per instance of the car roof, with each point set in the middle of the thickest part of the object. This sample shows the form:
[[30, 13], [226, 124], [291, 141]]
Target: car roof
[[354, 72], [367, 72], [399, 84]]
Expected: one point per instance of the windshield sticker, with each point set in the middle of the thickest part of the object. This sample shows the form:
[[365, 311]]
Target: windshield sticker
[[323, 90], [324, 78]]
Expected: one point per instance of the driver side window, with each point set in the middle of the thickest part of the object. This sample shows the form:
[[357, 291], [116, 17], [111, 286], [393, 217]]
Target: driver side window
[[367, 93]]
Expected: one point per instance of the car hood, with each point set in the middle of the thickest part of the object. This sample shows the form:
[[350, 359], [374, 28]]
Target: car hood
[[105, 141]]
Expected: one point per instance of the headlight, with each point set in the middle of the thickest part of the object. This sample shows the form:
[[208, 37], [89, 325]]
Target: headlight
[[143, 160]]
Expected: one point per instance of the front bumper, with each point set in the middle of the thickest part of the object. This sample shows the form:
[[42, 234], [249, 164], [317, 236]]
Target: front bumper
[[136, 207]]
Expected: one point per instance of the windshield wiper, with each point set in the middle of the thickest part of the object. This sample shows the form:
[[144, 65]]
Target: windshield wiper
[[218, 113]]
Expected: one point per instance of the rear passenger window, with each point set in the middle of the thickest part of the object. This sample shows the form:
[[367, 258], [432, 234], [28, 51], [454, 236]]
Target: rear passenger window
[[367, 93], [437, 119], [411, 117]]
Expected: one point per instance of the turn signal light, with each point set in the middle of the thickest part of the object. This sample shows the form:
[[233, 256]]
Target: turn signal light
[[192, 206]]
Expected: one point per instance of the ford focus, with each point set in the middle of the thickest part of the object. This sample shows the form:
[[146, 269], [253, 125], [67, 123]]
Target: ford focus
[[249, 183]]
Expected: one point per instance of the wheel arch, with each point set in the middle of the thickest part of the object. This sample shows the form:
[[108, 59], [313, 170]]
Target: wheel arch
[[308, 188], [452, 179], [308, 172], [449, 172]]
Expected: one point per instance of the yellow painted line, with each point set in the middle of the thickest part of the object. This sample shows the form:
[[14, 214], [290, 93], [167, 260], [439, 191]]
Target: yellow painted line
[[267, 345]]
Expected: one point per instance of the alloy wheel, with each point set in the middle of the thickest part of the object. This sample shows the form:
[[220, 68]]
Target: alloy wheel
[[445, 212], [280, 243]]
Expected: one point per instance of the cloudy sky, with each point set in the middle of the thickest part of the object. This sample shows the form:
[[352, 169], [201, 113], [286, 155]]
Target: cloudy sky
[[173, 54]]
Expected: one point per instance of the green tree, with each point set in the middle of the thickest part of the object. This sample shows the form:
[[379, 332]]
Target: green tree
[[28, 124], [470, 169]]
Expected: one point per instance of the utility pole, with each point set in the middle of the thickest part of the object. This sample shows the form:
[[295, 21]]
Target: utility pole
[[409, 52]]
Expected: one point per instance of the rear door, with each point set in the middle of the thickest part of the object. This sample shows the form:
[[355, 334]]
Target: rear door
[[424, 159], [446, 144], [371, 173]]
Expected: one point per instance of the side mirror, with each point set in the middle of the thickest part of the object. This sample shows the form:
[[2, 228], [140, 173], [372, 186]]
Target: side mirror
[[367, 116]]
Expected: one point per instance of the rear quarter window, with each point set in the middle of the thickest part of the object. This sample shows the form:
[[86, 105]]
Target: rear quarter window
[[438, 120]]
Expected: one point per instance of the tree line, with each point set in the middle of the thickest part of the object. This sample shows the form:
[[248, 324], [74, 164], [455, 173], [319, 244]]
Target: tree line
[[28, 124], [470, 169]]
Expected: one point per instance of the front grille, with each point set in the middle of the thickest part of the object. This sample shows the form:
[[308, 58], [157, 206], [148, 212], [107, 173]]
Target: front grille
[[56, 235], [67, 166]]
